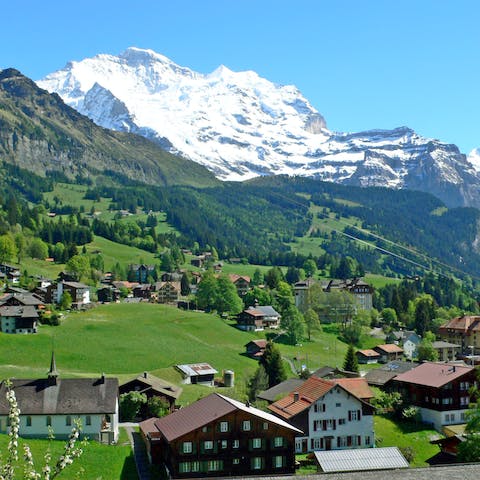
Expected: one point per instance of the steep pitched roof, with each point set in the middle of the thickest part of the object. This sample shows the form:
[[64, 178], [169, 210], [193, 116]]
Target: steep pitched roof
[[356, 386], [433, 374], [68, 396], [206, 410], [18, 311]]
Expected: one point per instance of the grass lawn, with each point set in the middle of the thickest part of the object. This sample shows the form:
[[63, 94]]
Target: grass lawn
[[98, 462], [124, 340], [391, 433]]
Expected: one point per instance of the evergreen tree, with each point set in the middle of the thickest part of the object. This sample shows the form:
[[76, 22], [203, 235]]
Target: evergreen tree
[[185, 285], [351, 363], [273, 364], [257, 383]]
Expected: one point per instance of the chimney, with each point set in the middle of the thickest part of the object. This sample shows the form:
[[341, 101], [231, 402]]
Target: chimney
[[145, 374], [102, 378], [296, 396]]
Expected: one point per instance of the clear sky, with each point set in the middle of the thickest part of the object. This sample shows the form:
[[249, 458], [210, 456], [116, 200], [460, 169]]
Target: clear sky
[[361, 63]]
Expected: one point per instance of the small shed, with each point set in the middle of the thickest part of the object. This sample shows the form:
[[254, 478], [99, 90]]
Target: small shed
[[200, 373], [360, 459]]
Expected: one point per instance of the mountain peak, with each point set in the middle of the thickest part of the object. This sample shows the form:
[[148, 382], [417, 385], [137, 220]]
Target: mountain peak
[[140, 55]]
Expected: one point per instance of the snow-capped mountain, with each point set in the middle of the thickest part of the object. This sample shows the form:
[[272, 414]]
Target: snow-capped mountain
[[240, 125]]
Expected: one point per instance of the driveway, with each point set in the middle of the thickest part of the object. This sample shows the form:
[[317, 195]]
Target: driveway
[[139, 450]]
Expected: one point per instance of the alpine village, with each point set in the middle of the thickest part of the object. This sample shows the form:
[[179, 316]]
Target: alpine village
[[185, 325]]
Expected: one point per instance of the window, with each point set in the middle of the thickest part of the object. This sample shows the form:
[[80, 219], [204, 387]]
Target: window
[[265, 425], [208, 445], [215, 465], [195, 466], [88, 420], [246, 425], [205, 429], [236, 461], [187, 447], [354, 415], [256, 443], [317, 444], [329, 424], [278, 461], [184, 467], [278, 442], [464, 400], [223, 444], [49, 421], [341, 421], [367, 440], [236, 444], [29, 421], [338, 404], [342, 442], [68, 421], [256, 463], [224, 426], [319, 407]]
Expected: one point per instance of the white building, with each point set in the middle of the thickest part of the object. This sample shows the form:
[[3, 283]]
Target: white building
[[55, 403], [331, 415]]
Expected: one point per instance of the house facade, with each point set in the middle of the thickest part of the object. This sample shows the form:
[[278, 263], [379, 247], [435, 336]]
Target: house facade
[[79, 292], [18, 319], [220, 437], [439, 390], [55, 403], [463, 331], [367, 356], [242, 283], [256, 348], [331, 416], [258, 318], [410, 345], [389, 352], [167, 292]]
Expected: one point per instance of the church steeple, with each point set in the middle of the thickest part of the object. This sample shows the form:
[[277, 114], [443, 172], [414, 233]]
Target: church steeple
[[53, 373]]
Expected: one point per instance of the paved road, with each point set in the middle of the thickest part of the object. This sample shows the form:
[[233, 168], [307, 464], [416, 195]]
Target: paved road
[[139, 451]]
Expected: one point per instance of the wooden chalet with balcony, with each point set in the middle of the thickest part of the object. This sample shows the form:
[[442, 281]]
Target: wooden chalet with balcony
[[217, 436]]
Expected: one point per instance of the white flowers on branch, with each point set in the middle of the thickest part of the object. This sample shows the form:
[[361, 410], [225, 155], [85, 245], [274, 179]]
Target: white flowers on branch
[[48, 471]]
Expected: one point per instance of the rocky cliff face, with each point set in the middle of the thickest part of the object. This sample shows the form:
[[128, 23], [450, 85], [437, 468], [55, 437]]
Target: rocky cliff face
[[240, 126]]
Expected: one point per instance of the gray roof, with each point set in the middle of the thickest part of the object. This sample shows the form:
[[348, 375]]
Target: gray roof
[[158, 384], [281, 389], [23, 298], [18, 311], [361, 459], [267, 310], [67, 396], [442, 344]]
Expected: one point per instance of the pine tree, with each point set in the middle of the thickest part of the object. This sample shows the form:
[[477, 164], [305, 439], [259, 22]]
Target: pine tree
[[351, 363], [273, 364]]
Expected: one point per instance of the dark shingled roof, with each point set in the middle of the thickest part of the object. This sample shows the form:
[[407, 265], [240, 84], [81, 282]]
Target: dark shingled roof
[[67, 396], [281, 389]]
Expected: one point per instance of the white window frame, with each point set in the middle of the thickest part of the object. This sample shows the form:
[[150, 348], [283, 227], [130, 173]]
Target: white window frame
[[257, 463], [208, 445], [187, 447], [246, 426], [277, 461], [224, 427], [256, 443], [278, 442], [236, 444]]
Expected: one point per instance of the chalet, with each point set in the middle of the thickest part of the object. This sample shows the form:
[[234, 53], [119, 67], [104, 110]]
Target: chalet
[[7, 268], [198, 373], [463, 331], [258, 318], [388, 352], [153, 386], [167, 292], [446, 351], [79, 292], [242, 283], [330, 415], [108, 294], [54, 403], [255, 348], [198, 261], [140, 273], [221, 437], [368, 356], [26, 299], [439, 390], [144, 291], [18, 319], [410, 345]]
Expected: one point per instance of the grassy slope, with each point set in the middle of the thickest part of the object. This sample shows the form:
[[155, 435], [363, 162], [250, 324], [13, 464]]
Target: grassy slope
[[98, 461], [126, 339], [417, 436]]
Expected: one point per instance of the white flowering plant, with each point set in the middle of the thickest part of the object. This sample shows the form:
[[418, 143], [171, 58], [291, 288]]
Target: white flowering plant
[[49, 471]]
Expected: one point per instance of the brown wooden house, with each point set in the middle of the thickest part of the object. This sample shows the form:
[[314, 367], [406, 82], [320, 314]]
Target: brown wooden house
[[153, 386], [220, 437], [255, 348], [388, 352]]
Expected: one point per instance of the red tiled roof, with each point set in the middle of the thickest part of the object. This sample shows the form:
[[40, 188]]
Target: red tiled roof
[[356, 386], [368, 353], [310, 391], [464, 324], [390, 348], [433, 374]]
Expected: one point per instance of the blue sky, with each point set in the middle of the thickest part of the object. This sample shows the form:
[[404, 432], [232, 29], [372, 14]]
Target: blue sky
[[362, 63]]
